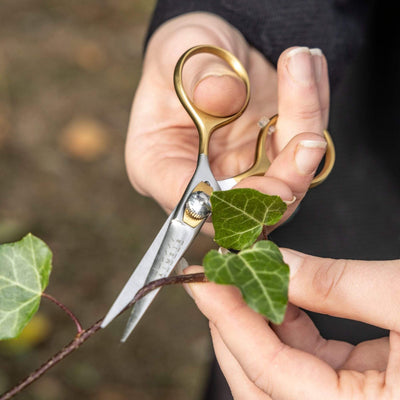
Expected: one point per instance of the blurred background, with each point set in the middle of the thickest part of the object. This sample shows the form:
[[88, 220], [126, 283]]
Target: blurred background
[[68, 73]]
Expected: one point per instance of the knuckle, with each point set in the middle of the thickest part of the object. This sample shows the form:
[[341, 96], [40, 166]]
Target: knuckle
[[222, 315], [328, 279], [310, 112], [235, 311]]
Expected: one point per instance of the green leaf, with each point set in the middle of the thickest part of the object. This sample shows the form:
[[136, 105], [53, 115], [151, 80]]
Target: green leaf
[[24, 274], [259, 272], [240, 214]]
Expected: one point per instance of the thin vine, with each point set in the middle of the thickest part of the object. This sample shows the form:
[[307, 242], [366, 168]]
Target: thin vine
[[84, 334]]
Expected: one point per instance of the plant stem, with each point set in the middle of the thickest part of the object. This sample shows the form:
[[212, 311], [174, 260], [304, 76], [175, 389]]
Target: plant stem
[[265, 232], [84, 334], [66, 310], [51, 362]]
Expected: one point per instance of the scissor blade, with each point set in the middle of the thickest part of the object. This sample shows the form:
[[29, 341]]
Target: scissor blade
[[176, 241], [138, 277], [227, 184], [138, 311]]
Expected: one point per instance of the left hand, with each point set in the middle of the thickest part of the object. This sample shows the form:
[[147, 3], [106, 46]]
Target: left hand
[[292, 361]]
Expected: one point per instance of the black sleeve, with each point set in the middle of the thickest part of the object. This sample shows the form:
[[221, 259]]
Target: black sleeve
[[271, 26]]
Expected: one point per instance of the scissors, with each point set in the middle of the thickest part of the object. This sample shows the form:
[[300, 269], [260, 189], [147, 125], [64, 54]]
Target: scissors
[[186, 220]]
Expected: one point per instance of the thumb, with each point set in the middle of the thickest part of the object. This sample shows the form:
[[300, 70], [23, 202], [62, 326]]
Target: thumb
[[364, 291], [215, 88], [220, 95]]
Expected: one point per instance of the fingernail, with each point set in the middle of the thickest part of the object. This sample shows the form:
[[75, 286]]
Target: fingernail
[[218, 73], [308, 155], [222, 250], [300, 65], [317, 60], [294, 259], [181, 266], [291, 201], [186, 286]]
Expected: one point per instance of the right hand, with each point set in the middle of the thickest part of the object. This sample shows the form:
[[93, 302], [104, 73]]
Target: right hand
[[161, 148]]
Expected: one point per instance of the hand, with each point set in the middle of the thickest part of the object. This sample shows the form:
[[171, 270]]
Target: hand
[[161, 149], [292, 361]]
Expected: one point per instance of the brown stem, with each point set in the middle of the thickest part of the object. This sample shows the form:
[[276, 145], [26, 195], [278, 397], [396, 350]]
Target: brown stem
[[85, 334], [66, 310], [51, 362], [265, 232]]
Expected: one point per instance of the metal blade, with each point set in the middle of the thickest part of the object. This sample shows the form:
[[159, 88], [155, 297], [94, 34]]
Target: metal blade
[[142, 274], [176, 241], [138, 277]]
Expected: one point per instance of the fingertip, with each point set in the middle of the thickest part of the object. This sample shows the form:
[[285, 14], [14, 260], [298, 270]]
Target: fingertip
[[317, 58], [323, 84], [303, 93], [290, 51], [296, 164], [219, 94], [184, 268], [294, 259], [192, 269], [299, 64], [213, 299], [308, 155], [304, 65]]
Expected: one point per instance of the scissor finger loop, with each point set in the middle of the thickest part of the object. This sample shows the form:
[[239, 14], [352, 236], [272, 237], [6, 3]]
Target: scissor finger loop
[[330, 154], [207, 123], [262, 162], [329, 162]]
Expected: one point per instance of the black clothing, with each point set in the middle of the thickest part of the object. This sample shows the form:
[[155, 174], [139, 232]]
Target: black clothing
[[271, 26], [354, 214]]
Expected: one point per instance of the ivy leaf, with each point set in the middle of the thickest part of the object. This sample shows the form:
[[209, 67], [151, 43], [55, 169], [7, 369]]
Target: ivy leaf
[[24, 274], [259, 272], [240, 214]]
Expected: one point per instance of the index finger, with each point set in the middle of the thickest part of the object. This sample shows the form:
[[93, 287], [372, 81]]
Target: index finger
[[277, 369]]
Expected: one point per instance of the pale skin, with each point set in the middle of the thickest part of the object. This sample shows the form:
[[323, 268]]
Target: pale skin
[[261, 361], [161, 149]]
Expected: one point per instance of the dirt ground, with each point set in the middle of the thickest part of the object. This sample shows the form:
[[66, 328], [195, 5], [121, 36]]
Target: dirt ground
[[68, 72]]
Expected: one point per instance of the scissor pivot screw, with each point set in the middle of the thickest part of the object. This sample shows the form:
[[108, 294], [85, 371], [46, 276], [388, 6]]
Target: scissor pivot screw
[[198, 205]]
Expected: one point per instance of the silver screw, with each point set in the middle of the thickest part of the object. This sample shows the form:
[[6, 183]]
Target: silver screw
[[198, 205]]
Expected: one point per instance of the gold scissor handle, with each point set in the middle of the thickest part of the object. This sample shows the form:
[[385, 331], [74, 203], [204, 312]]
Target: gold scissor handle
[[262, 162], [206, 123], [330, 156]]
